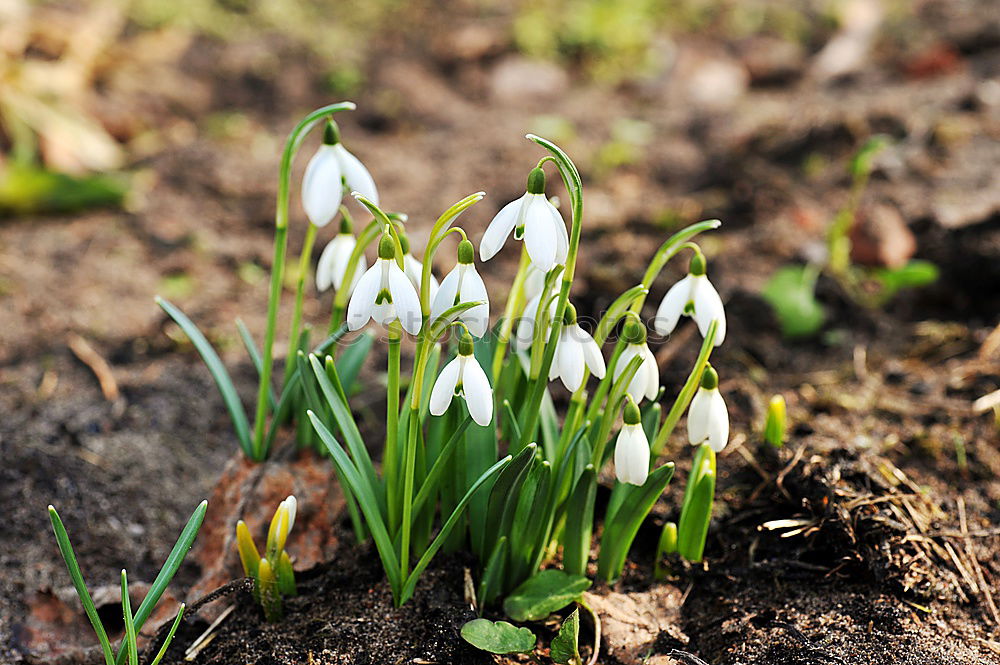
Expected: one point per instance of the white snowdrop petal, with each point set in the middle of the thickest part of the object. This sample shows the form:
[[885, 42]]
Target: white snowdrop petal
[[359, 308], [526, 325], [478, 394], [591, 353], [322, 189], [499, 229], [444, 299], [474, 289], [405, 300], [333, 261], [444, 387], [652, 373], [698, 417], [718, 422], [540, 235], [355, 174], [562, 237], [672, 306], [292, 505], [570, 361], [632, 455], [534, 282], [707, 308]]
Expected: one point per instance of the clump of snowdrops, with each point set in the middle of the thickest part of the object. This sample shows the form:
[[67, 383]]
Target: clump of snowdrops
[[476, 454]]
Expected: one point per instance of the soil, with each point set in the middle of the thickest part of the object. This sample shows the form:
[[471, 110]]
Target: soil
[[870, 538]]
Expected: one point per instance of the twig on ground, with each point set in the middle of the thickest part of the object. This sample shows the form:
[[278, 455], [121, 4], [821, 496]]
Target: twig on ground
[[97, 364]]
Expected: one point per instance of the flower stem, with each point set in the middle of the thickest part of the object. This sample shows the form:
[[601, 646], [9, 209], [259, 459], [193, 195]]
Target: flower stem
[[278, 266], [686, 394], [390, 455], [305, 258]]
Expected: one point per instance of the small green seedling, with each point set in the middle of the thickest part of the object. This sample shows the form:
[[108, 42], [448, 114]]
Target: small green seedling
[[775, 426], [565, 647], [133, 622], [667, 545], [272, 574], [696, 509], [498, 636]]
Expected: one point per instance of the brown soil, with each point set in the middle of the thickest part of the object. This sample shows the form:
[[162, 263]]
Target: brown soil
[[897, 557]]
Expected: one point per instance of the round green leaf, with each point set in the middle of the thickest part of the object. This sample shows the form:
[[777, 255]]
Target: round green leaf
[[498, 636], [544, 593]]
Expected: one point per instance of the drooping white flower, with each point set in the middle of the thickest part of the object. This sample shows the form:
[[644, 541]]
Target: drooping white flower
[[463, 376], [708, 418], [463, 284], [385, 294], [632, 448], [645, 382], [328, 170], [575, 351], [533, 218], [692, 296], [333, 262], [524, 335]]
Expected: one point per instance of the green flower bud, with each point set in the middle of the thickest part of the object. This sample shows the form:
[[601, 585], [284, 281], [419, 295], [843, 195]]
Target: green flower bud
[[774, 427], [331, 133], [466, 252], [465, 344], [536, 181], [631, 415], [633, 331], [569, 316], [709, 378], [697, 265], [386, 247]]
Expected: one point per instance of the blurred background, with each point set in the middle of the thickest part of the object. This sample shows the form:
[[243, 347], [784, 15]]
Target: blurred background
[[140, 138]]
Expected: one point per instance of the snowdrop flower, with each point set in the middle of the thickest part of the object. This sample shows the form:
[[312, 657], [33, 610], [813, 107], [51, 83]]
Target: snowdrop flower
[[632, 448], [281, 526], [534, 219], [646, 381], [575, 350], [463, 284], [333, 261], [463, 376], [328, 170], [414, 268], [385, 294], [708, 419], [525, 333], [693, 296]]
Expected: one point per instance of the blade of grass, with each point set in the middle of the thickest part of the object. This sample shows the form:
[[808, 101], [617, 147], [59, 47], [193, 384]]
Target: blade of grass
[[170, 635], [130, 646], [254, 354]]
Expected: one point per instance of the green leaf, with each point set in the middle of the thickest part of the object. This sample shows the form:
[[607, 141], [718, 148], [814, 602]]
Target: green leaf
[[578, 530], [254, 354], [544, 593], [219, 373], [170, 635], [696, 510], [621, 527], [565, 646], [69, 557], [491, 584], [914, 274], [503, 497], [130, 646], [350, 361], [430, 483], [498, 636], [27, 189], [791, 292], [168, 569]]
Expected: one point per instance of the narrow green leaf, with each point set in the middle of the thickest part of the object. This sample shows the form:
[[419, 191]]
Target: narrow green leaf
[[429, 485], [131, 648], [503, 498], [532, 520], [692, 529], [544, 593], [620, 529], [69, 557], [168, 569], [411, 582], [512, 427], [491, 585], [350, 361], [363, 492], [222, 379], [254, 354], [580, 523], [170, 635], [498, 636], [565, 646]]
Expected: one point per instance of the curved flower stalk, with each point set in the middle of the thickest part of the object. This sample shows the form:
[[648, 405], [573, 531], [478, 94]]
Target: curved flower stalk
[[708, 419], [464, 284], [576, 352], [329, 170], [632, 448], [463, 376], [272, 574], [385, 294], [535, 220], [646, 382], [692, 296], [414, 268], [335, 259]]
